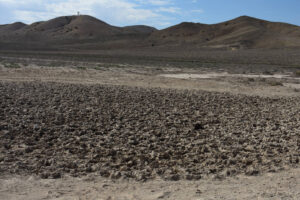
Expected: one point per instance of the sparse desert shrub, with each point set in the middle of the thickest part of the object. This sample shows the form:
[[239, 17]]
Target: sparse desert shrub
[[97, 67], [268, 72], [275, 83], [12, 65], [251, 79], [263, 79], [297, 73], [81, 68], [296, 90]]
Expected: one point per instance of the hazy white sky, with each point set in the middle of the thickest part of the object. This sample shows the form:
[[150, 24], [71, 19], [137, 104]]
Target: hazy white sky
[[158, 13]]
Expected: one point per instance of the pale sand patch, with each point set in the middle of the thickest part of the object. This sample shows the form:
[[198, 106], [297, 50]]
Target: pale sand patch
[[292, 85], [225, 74], [273, 186], [148, 77]]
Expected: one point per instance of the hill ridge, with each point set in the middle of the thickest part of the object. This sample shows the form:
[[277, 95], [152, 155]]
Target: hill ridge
[[240, 33]]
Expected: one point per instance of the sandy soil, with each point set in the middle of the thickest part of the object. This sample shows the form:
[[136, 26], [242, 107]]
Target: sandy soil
[[217, 75], [284, 185], [165, 77]]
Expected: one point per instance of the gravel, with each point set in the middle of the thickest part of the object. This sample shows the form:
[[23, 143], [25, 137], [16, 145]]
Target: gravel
[[54, 129]]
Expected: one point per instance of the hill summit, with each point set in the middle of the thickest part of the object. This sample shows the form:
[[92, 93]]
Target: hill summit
[[88, 32], [241, 32]]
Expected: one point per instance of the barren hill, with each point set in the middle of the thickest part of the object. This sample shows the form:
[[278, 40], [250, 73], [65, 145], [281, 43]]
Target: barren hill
[[11, 27], [68, 27], [242, 32], [86, 32]]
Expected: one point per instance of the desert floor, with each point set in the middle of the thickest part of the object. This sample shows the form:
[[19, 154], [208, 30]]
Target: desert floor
[[185, 132]]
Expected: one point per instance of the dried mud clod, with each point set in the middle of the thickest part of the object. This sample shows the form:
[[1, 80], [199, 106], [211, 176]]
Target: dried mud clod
[[116, 132]]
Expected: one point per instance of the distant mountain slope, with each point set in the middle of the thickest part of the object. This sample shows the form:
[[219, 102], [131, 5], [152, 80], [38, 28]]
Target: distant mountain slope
[[139, 29], [70, 28], [242, 32], [11, 27], [87, 32], [73, 27]]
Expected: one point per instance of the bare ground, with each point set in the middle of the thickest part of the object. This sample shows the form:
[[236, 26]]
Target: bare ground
[[256, 84], [282, 185], [281, 95]]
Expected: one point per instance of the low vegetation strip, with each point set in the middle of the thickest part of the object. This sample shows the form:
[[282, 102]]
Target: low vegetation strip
[[53, 130]]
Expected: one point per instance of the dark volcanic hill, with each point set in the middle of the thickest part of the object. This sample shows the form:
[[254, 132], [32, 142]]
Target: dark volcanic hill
[[242, 32], [86, 32]]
